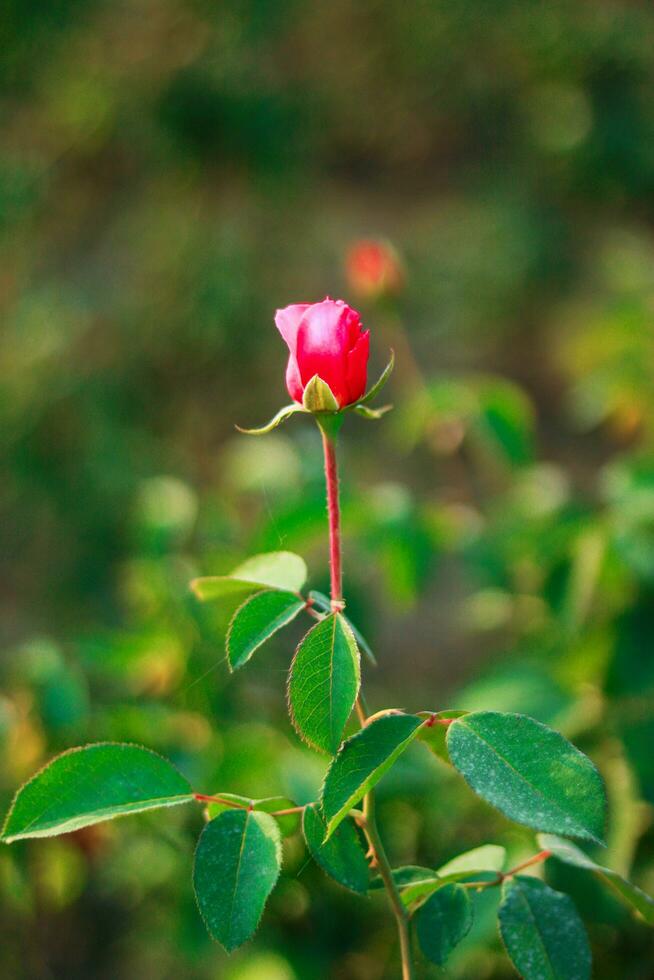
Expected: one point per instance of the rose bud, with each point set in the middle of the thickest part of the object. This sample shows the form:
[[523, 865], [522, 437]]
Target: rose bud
[[374, 269], [328, 354]]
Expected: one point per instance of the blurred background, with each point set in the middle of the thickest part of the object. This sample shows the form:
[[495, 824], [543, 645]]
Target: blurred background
[[171, 171]]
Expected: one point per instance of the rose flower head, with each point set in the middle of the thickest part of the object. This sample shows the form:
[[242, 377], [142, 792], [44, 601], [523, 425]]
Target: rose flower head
[[325, 341]]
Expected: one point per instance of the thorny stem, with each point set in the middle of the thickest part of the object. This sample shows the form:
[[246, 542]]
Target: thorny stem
[[334, 514], [367, 820]]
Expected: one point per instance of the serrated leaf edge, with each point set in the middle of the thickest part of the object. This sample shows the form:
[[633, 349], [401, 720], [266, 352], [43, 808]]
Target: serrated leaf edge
[[182, 798]]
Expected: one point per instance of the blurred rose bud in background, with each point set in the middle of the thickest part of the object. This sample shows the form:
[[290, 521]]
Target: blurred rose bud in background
[[374, 269]]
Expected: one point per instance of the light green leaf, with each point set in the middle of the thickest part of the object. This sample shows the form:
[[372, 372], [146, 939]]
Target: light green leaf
[[488, 857], [273, 570], [237, 862], [90, 784], [443, 921], [222, 586], [542, 932], [259, 618], [323, 682], [323, 603], [379, 383], [404, 876], [362, 761], [342, 857], [318, 396], [530, 773], [281, 416], [569, 853], [288, 823], [434, 735], [276, 569], [480, 864]]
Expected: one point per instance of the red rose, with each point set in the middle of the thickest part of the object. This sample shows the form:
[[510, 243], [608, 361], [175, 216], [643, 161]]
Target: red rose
[[325, 339], [374, 269]]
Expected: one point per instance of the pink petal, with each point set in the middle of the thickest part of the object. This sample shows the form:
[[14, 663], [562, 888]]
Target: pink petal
[[288, 320], [293, 381], [322, 344], [357, 368]]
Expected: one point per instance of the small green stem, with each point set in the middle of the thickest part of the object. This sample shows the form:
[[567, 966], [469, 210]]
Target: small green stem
[[369, 826], [203, 798]]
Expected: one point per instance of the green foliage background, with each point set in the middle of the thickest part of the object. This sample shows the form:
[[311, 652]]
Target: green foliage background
[[170, 172]]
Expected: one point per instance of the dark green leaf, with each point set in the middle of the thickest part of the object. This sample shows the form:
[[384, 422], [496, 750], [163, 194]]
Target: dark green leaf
[[323, 603], [260, 616], [87, 785], [443, 921], [505, 421], [529, 772], [564, 851], [542, 932], [362, 761], [281, 416], [434, 735], [323, 682], [288, 823], [342, 856], [237, 863]]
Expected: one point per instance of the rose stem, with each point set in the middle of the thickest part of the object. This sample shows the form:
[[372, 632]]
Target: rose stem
[[369, 822]]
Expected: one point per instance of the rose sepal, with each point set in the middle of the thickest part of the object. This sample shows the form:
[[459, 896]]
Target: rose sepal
[[281, 416], [378, 385]]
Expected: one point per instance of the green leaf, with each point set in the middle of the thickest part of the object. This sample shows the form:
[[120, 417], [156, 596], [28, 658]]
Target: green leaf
[[342, 857], [488, 857], [379, 383], [323, 682], [318, 396], [90, 784], [542, 932], [324, 603], [237, 862], [288, 823], [362, 761], [273, 570], [211, 587], [530, 773], [633, 896], [480, 864], [259, 618], [281, 416], [443, 921], [505, 421], [276, 569], [434, 735], [403, 877]]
